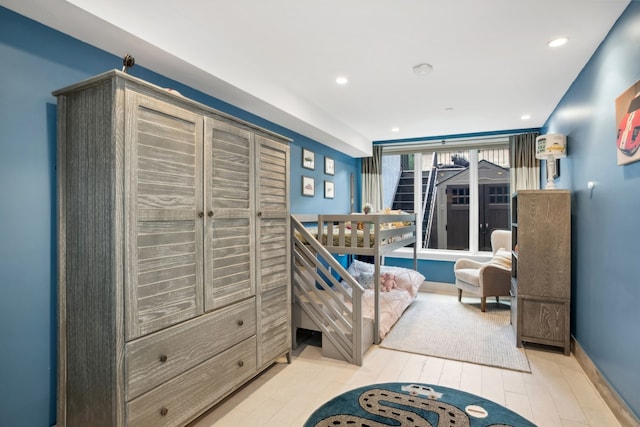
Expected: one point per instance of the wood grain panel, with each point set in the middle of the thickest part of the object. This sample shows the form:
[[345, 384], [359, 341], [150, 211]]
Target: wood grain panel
[[229, 261], [90, 274], [153, 359], [272, 249], [273, 254], [165, 170], [545, 321], [275, 324], [184, 397]]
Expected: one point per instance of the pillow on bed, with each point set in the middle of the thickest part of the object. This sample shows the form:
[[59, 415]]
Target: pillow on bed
[[365, 279], [409, 280], [406, 279]]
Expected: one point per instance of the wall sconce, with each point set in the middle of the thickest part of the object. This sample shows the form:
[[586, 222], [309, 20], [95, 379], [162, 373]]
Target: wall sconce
[[550, 148]]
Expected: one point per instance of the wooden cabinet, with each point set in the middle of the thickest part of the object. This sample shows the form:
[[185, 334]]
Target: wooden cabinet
[[541, 268], [173, 254]]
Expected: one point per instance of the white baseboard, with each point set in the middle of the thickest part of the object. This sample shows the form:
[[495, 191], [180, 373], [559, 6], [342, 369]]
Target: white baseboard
[[438, 287], [618, 406]]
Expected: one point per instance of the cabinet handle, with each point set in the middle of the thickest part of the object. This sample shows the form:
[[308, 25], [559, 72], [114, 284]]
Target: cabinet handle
[[259, 213], [240, 322], [201, 214], [241, 363], [164, 411], [163, 358], [210, 214]]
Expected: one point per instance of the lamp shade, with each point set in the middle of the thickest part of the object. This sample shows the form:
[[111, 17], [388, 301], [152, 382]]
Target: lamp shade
[[551, 145]]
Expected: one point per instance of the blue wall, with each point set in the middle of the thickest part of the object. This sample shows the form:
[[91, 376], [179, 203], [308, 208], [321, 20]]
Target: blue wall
[[605, 226], [35, 61], [345, 166]]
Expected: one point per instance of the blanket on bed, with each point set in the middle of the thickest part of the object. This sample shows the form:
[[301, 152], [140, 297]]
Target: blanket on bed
[[392, 303]]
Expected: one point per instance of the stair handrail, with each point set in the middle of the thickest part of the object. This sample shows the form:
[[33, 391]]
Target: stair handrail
[[430, 184], [312, 267]]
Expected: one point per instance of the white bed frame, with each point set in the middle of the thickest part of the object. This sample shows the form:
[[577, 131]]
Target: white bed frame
[[346, 334]]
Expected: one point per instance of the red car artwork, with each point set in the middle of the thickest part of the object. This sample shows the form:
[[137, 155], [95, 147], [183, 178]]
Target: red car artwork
[[629, 129]]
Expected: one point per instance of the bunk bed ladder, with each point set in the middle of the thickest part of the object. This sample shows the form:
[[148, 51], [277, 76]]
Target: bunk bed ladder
[[334, 308]]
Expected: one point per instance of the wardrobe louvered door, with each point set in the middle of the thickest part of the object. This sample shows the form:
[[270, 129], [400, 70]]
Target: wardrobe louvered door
[[273, 257], [163, 162], [229, 266]]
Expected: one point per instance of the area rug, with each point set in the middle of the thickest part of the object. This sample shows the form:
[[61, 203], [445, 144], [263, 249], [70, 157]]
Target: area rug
[[441, 326], [416, 405]]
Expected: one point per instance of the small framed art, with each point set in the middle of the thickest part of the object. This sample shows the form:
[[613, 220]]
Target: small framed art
[[308, 159], [329, 166], [308, 186], [328, 189]]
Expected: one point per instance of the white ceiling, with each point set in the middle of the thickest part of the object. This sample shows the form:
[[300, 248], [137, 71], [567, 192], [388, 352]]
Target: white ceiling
[[279, 59]]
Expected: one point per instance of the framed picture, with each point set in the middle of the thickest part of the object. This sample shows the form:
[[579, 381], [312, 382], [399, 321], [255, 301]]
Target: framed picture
[[328, 189], [329, 166], [308, 186], [628, 121], [308, 159]]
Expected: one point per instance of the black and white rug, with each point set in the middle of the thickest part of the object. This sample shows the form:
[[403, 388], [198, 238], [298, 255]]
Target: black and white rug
[[416, 405]]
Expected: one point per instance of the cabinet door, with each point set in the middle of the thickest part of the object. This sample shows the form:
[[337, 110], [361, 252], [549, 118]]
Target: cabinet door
[[163, 184], [229, 198], [544, 241], [273, 256]]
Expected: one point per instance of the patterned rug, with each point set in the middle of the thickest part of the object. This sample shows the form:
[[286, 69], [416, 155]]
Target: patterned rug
[[416, 405], [438, 325]]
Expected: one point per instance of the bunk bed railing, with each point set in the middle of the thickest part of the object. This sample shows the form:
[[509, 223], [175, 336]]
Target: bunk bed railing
[[335, 307]]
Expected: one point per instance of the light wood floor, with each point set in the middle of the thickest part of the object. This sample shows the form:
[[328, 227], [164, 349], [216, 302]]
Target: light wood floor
[[556, 393]]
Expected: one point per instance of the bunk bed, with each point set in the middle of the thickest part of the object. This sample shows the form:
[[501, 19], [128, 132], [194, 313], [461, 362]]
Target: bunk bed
[[353, 308]]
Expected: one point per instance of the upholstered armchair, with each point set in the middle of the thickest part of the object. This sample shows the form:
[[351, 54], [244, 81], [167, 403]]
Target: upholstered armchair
[[488, 279]]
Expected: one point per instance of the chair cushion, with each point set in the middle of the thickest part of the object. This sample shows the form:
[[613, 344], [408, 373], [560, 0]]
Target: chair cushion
[[469, 275], [503, 258]]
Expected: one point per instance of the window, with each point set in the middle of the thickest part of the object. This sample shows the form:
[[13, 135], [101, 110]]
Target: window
[[460, 195]]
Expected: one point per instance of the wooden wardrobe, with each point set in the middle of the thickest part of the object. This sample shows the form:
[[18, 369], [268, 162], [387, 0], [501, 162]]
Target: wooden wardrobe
[[173, 254]]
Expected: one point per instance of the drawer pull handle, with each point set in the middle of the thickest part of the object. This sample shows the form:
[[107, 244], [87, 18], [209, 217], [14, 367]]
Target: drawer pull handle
[[201, 214], [163, 358], [164, 411], [240, 322], [210, 214], [241, 363]]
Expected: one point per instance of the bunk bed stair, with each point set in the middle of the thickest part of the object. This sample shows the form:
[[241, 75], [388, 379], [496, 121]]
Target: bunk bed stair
[[332, 337], [326, 298]]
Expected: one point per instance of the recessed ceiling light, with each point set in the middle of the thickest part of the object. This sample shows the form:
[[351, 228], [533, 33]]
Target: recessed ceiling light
[[342, 80], [422, 69], [525, 116], [395, 129], [558, 42]]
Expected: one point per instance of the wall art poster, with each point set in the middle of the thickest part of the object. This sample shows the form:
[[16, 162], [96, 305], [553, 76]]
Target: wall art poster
[[628, 120], [308, 186]]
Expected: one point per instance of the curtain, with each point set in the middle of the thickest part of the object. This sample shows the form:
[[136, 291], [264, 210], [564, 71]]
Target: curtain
[[525, 168], [372, 179]]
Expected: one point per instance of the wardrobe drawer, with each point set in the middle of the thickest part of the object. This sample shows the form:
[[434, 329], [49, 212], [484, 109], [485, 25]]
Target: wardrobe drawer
[[181, 399], [155, 358]]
